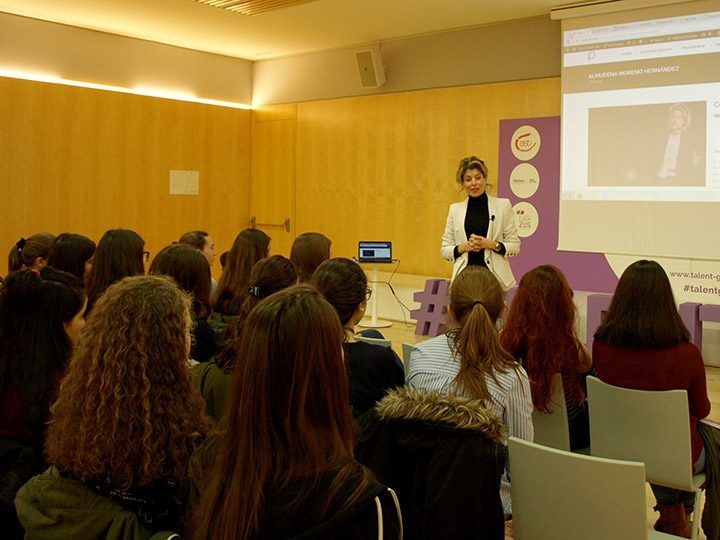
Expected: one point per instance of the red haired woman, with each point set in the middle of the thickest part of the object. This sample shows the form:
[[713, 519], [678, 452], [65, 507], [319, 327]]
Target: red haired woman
[[540, 333]]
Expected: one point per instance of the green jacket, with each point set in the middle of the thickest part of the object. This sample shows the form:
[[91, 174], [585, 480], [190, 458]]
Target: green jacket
[[51, 507], [214, 385]]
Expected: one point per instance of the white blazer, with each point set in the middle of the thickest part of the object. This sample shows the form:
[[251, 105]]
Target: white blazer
[[501, 228]]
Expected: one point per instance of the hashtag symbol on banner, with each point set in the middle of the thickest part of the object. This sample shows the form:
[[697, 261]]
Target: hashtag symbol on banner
[[431, 317], [687, 288]]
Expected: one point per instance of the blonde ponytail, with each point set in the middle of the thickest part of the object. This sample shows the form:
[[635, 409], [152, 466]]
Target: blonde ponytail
[[476, 302]]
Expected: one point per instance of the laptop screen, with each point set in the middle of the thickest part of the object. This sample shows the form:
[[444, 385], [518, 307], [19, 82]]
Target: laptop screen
[[380, 252]]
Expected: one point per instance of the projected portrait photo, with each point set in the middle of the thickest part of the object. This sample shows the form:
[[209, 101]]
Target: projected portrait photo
[[647, 145]]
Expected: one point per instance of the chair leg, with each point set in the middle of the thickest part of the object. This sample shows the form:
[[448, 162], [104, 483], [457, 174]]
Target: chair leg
[[697, 514]]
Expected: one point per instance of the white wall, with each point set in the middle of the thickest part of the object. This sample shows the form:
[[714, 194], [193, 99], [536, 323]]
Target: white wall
[[40, 47], [517, 50]]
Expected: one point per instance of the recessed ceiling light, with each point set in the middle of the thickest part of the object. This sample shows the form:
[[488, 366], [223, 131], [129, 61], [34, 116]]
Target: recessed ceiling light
[[252, 7]]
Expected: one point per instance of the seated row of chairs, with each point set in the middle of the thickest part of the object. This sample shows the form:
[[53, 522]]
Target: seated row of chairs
[[636, 436]]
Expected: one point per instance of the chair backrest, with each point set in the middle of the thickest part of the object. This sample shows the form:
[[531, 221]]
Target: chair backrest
[[374, 341], [652, 427], [553, 429], [558, 495], [407, 349]]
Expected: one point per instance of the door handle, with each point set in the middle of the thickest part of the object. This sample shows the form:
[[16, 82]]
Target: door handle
[[254, 224]]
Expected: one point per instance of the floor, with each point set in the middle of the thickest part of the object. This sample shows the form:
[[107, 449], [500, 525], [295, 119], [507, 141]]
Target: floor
[[400, 333]]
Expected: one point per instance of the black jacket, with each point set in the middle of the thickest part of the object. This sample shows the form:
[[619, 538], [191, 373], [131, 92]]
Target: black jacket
[[443, 456]]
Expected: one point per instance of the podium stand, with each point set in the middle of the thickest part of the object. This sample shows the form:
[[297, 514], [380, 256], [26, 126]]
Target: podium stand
[[374, 322]]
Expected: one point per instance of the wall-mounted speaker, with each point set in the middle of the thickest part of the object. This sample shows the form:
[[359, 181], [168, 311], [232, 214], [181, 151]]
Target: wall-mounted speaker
[[370, 67]]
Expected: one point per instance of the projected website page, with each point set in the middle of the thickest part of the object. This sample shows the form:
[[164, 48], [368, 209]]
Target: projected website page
[[641, 110]]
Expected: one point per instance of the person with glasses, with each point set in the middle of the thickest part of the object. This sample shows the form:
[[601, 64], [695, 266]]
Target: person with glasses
[[480, 231], [120, 253], [373, 370]]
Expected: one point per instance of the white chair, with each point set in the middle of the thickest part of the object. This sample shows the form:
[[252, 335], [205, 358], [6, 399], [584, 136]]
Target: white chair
[[374, 341], [407, 349], [652, 427], [552, 429], [559, 495]]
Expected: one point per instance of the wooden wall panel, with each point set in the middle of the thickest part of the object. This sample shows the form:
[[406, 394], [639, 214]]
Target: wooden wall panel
[[272, 189], [382, 167], [82, 160], [376, 167]]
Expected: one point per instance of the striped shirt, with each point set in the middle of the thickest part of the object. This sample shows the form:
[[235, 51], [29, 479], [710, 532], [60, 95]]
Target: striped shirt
[[434, 367]]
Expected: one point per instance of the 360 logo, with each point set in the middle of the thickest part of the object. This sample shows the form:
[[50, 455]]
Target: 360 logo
[[525, 142]]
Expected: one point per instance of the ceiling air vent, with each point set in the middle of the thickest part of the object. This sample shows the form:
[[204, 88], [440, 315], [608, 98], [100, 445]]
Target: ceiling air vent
[[251, 7]]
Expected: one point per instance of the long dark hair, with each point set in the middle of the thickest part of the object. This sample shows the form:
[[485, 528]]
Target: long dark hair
[[476, 301], [190, 270], [26, 250], [540, 331], [119, 254], [288, 418], [268, 276], [70, 252], [308, 251], [643, 312], [249, 247], [343, 283], [34, 348]]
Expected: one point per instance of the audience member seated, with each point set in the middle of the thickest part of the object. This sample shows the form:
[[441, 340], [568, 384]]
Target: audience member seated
[[202, 241], [444, 456], [41, 315], [372, 369], [469, 361], [284, 467], [643, 344], [30, 252], [308, 251], [268, 276], [120, 253], [249, 247], [190, 270], [125, 423], [72, 253], [540, 334]]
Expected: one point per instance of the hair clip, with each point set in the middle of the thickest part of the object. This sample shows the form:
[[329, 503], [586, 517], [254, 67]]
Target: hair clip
[[20, 244], [254, 291], [35, 271]]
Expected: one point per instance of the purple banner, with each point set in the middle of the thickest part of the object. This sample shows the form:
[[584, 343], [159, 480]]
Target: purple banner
[[529, 175]]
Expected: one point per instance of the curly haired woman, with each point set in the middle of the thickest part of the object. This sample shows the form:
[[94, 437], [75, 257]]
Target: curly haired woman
[[125, 423]]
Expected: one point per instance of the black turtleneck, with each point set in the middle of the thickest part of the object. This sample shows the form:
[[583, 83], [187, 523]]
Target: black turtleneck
[[477, 221]]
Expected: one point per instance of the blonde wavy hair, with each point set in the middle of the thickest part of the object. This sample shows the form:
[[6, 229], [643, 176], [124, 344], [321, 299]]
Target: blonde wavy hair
[[126, 409]]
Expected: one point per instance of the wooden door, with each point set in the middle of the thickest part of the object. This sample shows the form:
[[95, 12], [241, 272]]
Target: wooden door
[[272, 175]]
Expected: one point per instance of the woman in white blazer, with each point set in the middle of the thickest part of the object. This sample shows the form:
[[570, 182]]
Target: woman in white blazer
[[481, 229]]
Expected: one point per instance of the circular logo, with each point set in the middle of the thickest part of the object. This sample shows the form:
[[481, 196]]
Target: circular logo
[[524, 180], [525, 142], [526, 219]]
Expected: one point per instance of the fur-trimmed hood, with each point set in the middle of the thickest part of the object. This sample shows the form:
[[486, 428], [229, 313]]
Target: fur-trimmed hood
[[453, 411]]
